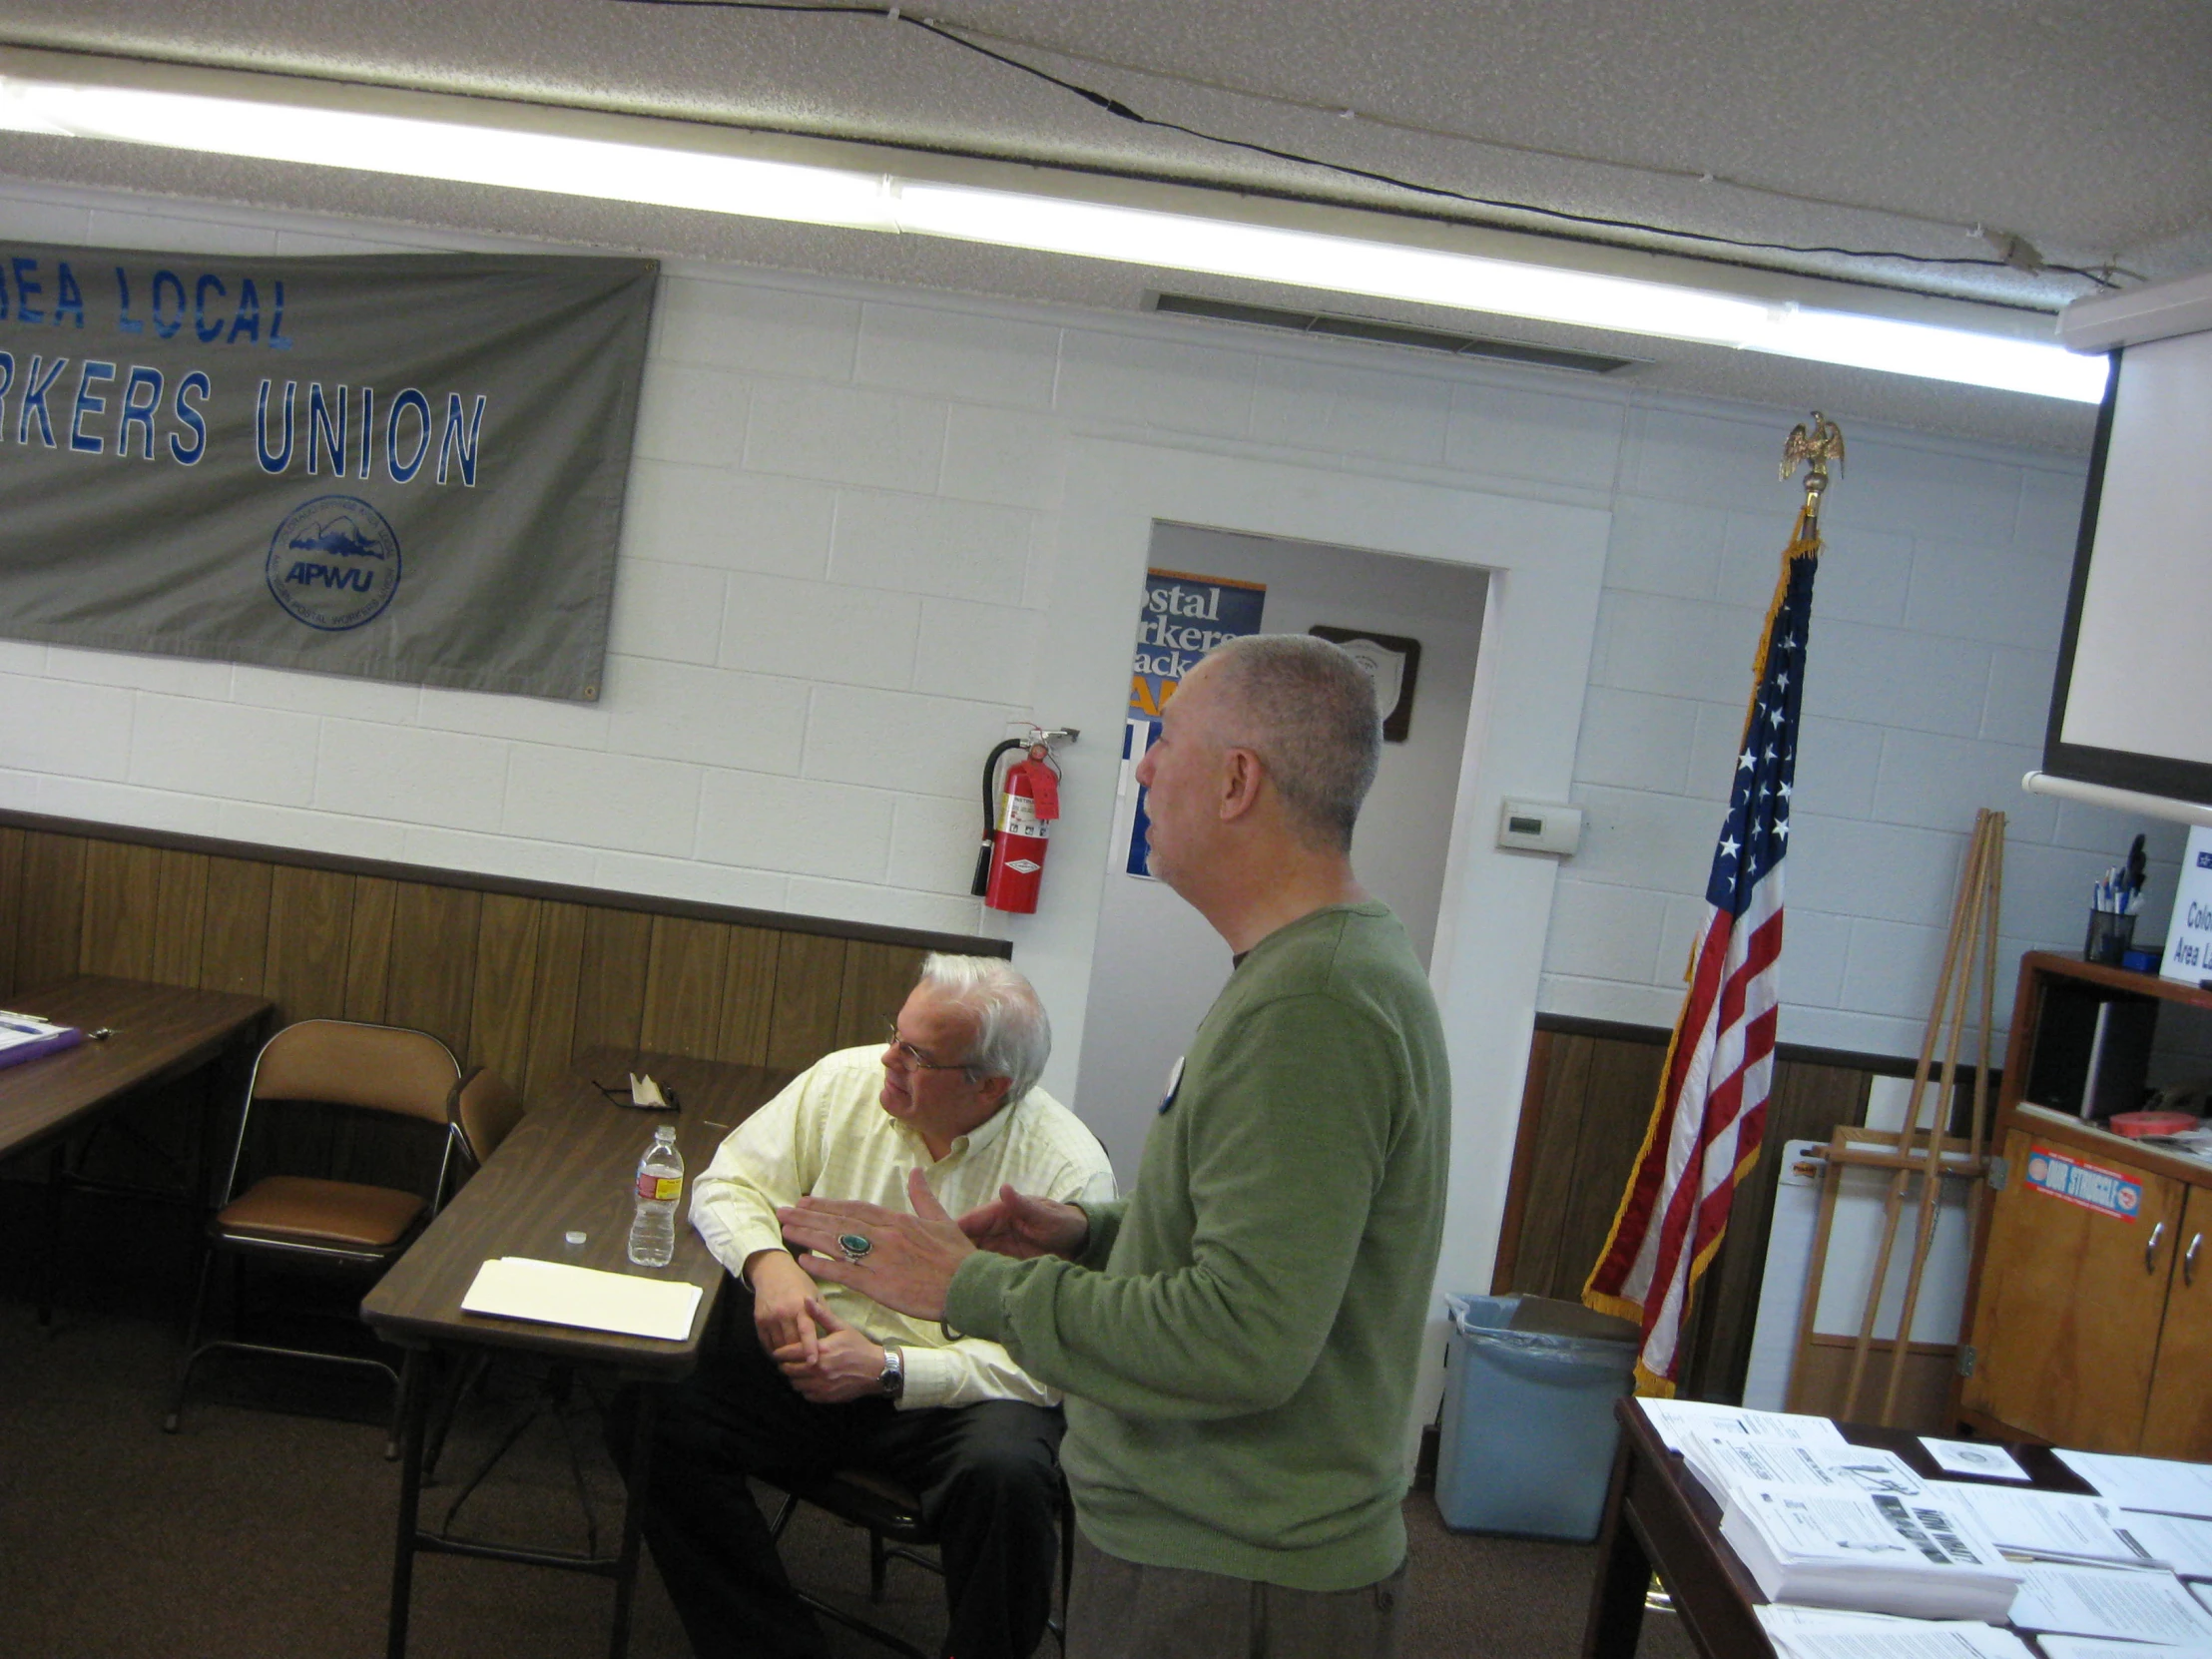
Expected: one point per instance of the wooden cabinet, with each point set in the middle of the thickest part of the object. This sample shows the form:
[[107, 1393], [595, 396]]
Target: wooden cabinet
[[2089, 1304], [2067, 1320], [2178, 1420]]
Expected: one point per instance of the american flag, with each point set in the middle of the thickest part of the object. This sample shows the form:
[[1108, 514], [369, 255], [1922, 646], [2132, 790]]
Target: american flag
[[1712, 1104]]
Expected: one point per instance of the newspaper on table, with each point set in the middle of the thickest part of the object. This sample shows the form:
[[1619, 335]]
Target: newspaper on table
[[2061, 1526], [1675, 1419], [2109, 1601], [1727, 1460], [2155, 1483], [2096, 1647], [1991, 1463], [1879, 1552]]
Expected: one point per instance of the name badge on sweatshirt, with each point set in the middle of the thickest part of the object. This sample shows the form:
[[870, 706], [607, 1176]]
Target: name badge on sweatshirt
[[1175, 1084]]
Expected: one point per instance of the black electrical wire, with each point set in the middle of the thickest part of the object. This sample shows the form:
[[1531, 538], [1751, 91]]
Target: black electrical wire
[[1596, 221]]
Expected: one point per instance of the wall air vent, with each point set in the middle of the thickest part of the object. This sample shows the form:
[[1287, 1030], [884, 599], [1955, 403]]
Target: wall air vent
[[1387, 333]]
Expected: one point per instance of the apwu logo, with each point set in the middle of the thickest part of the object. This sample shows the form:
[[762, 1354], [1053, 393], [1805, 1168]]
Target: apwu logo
[[334, 563], [2204, 860]]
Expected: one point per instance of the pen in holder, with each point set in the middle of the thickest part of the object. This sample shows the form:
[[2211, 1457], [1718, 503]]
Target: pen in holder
[[2110, 933], [2113, 903]]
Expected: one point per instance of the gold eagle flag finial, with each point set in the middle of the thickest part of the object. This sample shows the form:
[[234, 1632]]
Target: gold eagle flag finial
[[1814, 444]]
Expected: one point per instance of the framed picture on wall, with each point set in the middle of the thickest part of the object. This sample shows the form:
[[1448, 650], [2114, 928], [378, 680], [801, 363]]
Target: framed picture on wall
[[1393, 662]]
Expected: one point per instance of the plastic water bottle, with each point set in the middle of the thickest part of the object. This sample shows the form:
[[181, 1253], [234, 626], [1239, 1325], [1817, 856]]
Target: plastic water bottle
[[660, 1190]]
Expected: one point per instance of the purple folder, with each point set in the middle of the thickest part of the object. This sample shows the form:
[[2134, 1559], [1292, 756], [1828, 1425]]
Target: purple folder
[[59, 1038]]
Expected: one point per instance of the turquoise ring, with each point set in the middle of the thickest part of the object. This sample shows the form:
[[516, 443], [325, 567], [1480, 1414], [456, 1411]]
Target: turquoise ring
[[855, 1245]]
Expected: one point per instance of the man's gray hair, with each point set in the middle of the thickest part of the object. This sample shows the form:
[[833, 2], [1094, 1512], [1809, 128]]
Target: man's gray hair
[[1306, 709], [1013, 1037]]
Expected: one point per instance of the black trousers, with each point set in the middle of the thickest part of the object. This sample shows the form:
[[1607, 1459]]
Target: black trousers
[[987, 1475]]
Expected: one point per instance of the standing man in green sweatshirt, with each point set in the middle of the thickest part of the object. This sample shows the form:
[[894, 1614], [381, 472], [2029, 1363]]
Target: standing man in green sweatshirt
[[1239, 1341]]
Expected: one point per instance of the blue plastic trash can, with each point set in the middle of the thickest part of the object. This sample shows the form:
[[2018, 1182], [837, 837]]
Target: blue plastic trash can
[[1529, 1431]]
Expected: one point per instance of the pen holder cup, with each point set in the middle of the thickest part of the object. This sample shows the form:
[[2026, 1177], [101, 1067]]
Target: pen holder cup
[[2110, 933]]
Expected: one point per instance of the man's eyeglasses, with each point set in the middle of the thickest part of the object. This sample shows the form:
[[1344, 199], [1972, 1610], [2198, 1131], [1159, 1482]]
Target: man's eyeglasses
[[912, 1058]]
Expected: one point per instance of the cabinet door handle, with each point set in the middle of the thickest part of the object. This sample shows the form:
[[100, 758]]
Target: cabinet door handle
[[2150, 1248], [2189, 1259]]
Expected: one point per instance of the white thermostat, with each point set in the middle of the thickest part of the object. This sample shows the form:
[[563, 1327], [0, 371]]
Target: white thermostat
[[1540, 826]]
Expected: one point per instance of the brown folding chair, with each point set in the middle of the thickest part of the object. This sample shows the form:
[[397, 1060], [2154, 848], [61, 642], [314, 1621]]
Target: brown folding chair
[[314, 1221], [485, 1110]]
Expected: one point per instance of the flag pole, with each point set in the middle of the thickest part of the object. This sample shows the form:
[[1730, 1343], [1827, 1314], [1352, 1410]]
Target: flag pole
[[1709, 1118]]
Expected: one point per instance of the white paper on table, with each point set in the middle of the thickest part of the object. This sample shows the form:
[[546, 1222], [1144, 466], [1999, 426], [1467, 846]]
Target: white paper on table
[[2094, 1647], [2062, 1525], [1779, 1619], [2181, 1541], [1869, 1530], [1742, 1459], [1975, 1458], [1805, 1633], [1674, 1418], [2155, 1483], [555, 1293], [2109, 1601]]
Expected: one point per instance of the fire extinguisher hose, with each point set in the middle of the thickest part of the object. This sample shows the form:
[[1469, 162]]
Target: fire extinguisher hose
[[981, 884]]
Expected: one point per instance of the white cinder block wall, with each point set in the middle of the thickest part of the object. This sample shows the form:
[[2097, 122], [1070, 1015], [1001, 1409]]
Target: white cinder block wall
[[837, 566], [1937, 614]]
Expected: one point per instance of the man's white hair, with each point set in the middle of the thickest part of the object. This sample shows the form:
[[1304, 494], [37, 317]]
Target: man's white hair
[[1013, 1036]]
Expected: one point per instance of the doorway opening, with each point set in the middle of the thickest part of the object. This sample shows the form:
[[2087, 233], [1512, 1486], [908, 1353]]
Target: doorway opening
[[1156, 965]]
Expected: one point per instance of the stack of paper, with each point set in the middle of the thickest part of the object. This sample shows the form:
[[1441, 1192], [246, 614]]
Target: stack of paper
[[1921, 1558], [1677, 1419], [2106, 1602], [1726, 1461], [2145, 1483], [2061, 1526], [1806, 1633], [522, 1288], [2182, 1542]]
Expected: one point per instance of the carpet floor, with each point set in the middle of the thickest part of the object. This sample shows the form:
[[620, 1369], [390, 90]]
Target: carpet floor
[[258, 1533]]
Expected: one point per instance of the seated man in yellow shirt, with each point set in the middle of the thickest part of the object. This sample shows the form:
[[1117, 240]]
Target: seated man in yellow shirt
[[828, 1379]]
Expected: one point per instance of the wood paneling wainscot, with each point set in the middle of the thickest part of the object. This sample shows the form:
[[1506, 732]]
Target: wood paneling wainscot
[[520, 977], [1584, 1110]]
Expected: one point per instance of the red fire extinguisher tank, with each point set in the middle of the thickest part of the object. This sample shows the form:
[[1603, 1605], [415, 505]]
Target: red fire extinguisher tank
[[1027, 804]]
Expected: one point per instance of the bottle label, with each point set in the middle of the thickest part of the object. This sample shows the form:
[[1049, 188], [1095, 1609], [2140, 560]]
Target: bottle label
[[664, 1189]]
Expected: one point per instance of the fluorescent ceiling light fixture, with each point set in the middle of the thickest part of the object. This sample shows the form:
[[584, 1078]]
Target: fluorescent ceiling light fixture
[[282, 120]]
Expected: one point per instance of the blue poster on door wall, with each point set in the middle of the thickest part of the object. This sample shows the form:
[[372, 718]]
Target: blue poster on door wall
[[1183, 617]]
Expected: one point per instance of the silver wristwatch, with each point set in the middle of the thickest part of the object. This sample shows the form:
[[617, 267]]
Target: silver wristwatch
[[893, 1380]]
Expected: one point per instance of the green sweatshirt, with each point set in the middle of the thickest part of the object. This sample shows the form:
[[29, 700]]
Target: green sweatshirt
[[1239, 1344]]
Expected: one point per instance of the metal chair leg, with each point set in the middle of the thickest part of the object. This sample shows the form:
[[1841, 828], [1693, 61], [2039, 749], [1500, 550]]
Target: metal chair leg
[[191, 1343], [877, 1562]]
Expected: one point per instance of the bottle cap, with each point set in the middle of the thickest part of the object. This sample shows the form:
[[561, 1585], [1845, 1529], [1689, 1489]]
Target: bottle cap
[[573, 1237]]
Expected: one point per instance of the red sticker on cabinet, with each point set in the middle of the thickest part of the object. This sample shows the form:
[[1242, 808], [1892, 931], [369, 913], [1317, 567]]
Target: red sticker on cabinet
[[2091, 1186]]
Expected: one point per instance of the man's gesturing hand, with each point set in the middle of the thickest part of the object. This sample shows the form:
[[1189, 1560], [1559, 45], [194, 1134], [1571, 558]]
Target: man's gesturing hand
[[910, 1260], [1015, 1224], [781, 1293]]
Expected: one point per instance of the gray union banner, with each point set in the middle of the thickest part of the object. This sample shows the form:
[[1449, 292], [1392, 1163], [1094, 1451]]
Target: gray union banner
[[406, 466]]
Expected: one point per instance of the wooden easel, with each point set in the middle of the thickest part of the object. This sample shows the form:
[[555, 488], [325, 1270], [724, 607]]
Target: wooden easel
[[1910, 1150]]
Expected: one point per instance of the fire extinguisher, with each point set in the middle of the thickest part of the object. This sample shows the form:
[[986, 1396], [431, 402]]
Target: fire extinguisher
[[1019, 807]]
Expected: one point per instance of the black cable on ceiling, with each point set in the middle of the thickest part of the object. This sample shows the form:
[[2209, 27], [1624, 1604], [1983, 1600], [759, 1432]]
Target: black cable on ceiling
[[1115, 107]]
